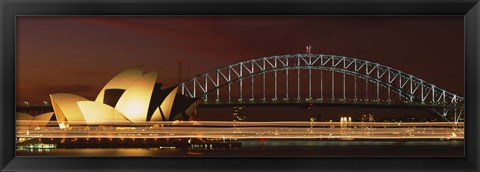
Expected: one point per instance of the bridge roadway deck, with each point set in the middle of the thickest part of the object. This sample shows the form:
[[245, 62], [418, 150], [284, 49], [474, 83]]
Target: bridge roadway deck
[[326, 103]]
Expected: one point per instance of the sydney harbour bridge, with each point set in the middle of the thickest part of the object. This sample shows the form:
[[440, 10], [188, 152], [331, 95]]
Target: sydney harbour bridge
[[319, 79]]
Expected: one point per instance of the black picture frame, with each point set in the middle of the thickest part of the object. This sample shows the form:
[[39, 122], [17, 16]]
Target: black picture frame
[[11, 8]]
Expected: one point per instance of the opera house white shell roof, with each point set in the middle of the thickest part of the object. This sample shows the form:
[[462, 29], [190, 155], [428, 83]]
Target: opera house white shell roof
[[28, 121], [130, 97]]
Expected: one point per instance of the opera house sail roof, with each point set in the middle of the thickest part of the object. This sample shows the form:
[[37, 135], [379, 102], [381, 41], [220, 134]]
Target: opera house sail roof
[[129, 98]]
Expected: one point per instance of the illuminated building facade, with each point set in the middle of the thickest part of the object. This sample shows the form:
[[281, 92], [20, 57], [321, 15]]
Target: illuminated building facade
[[129, 98]]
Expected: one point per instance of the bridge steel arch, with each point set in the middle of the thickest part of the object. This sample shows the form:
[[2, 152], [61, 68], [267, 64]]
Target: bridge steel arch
[[409, 89]]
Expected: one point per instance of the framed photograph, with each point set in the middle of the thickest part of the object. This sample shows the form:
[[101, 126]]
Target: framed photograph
[[257, 85]]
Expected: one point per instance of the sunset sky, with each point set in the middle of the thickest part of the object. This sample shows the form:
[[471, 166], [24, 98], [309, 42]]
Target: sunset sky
[[80, 54]]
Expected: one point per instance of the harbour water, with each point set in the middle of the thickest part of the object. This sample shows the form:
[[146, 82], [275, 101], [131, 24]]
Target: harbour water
[[278, 148]]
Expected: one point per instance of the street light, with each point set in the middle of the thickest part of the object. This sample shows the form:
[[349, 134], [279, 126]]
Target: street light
[[26, 103], [46, 103]]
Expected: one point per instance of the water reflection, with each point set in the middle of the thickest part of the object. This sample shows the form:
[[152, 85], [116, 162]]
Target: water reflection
[[276, 148]]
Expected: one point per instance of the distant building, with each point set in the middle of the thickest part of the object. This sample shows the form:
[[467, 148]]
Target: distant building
[[239, 113], [367, 117], [371, 118]]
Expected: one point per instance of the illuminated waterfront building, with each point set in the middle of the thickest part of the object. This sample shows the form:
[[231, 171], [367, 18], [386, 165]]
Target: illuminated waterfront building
[[27, 121], [130, 97]]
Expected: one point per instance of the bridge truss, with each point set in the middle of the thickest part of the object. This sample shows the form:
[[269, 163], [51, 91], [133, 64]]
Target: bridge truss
[[320, 79]]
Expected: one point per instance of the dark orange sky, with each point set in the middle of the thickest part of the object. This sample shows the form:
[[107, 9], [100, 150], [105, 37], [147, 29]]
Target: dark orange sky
[[80, 54]]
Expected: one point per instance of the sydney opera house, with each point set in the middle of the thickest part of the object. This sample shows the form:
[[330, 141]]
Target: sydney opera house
[[129, 98]]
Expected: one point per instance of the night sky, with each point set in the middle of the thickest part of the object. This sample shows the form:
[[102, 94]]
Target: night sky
[[80, 54]]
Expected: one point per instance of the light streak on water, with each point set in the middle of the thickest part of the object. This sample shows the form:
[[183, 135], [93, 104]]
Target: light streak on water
[[255, 130]]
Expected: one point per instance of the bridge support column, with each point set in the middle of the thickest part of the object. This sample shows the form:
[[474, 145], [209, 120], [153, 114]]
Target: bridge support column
[[263, 86], [388, 89], [333, 84], [229, 85], [298, 82], [286, 83], [218, 84], [321, 84], [252, 84], [344, 98], [366, 81], [355, 87], [310, 84], [321, 78], [344, 67], [378, 84], [400, 85], [241, 82], [275, 84], [195, 87], [421, 91], [333, 80], [183, 88], [252, 87], [206, 88]]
